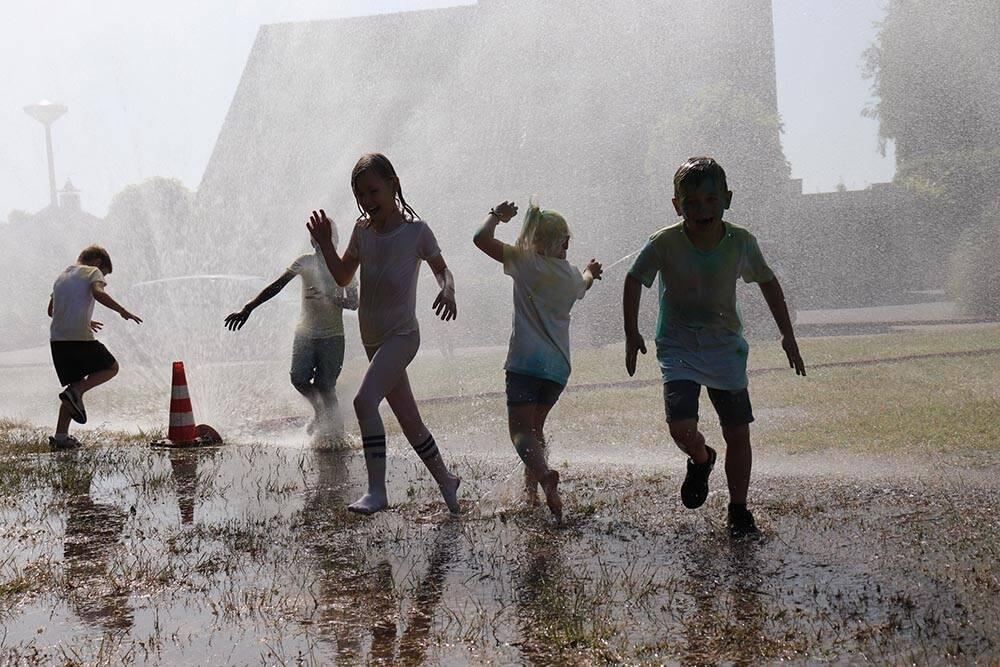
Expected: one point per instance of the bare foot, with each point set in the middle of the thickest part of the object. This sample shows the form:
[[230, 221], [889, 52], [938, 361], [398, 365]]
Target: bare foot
[[530, 489], [550, 485], [369, 503], [450, 492]]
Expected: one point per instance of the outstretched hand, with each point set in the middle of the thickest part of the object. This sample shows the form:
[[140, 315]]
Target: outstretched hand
[[126, 315], [96, 326], [791, 349], [634, 344], [444, 305], [235, 321], [320, 227]]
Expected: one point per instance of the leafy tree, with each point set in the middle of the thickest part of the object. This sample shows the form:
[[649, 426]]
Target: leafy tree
[[736, 128], [149, 225], [936, 85]]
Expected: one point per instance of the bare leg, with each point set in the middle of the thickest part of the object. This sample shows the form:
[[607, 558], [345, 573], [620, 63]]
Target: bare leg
[[62, 423], [690, 440], [311, 394], [522, 423], [386, 369], [404, 406], [94, 379], [530, 483], [739, 461]]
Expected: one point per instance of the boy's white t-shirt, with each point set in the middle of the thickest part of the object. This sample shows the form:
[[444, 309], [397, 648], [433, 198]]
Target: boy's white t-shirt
[[320, 316], [545, 290], [390, 265], [73, 303]]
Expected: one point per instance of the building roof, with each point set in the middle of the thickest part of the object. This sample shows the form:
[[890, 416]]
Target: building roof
[[474, 104]]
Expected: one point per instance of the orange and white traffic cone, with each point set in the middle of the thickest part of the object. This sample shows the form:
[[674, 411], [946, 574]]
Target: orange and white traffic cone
[[182, 429], [183, 432]]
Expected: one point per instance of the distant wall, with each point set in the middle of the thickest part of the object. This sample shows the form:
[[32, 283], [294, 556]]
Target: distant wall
[[862, 247]]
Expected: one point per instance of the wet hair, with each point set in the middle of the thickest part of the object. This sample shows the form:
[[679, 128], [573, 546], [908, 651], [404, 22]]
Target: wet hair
[[543, 231], [380, 164], [95, 255], [697, 170]]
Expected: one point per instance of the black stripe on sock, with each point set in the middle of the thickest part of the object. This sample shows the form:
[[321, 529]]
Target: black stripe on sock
[[373, 441], [425, 446], [428, 450]]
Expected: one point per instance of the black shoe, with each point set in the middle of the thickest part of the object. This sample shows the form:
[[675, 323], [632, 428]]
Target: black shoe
[[74, 402], [741, 522], [694, 490]]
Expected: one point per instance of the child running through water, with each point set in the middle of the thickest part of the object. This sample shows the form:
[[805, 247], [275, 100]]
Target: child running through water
[[389, 243], [318, 347], [699, 335], [81, 361], [546, 287]]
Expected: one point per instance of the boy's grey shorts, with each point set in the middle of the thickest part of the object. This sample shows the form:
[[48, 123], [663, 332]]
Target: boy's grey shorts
[[680, 401], [317, 361]]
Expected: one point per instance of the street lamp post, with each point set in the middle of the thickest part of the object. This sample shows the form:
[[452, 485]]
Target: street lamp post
[[46, 113]]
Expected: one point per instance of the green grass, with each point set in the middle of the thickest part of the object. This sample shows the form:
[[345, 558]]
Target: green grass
[[914, 406]]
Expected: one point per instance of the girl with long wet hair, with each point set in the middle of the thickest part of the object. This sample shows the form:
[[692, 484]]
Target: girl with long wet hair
[[389, 243]]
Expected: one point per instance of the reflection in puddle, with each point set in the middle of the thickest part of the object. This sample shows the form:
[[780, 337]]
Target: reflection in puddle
[[90, 542], [723, 578], [359, 605]]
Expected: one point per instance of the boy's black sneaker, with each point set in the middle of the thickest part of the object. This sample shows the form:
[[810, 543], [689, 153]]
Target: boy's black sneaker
[[741, 523], [74, 402], [694, 490]]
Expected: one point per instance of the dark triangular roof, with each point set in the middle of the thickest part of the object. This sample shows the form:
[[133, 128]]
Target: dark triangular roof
[[473, 104]]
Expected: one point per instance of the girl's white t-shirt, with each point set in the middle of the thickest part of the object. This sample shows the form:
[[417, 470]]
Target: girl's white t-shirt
[[390, 265], [73, 303], [545, 290]]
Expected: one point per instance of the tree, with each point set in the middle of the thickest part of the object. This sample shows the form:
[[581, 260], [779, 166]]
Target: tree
[[149, 224], [741, 133], [936, 85]]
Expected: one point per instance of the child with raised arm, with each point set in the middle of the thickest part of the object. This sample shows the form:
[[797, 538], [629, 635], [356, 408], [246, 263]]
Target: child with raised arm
[[81, 361], [389, 243], [699, 334], [318, 347], [546, 287]]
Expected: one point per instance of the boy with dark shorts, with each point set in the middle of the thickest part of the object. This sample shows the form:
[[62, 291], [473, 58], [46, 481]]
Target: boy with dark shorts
[[699, 335], [81, 361]]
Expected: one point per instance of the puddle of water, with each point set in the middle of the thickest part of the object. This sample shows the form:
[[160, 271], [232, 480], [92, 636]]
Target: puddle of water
[[247, 554]]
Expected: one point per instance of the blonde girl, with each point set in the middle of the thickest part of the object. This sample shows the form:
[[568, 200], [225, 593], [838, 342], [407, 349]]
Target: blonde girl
[[546, 287]]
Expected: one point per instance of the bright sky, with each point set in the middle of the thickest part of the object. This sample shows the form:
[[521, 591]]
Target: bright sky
[[148, 85]]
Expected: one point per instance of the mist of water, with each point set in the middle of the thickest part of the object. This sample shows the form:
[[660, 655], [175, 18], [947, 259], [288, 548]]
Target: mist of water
[[590, 109]]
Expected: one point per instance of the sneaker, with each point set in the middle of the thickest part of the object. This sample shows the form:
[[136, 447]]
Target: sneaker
[[694, 490], [741, 522], [65, 442], [71, 397]]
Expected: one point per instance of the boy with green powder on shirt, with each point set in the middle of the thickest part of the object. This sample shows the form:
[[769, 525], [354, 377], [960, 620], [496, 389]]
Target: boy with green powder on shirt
[[699, 335]]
